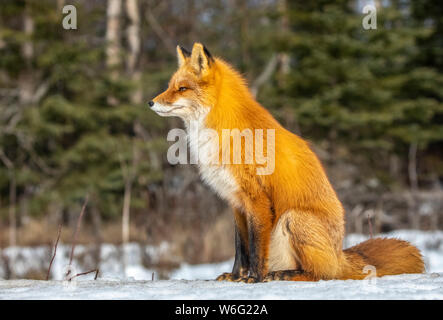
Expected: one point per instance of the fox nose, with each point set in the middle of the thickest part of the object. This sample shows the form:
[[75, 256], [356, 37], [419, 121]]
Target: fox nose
[[151, 103]]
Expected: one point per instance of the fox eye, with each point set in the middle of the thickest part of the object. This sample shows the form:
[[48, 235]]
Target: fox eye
[[182, 89]]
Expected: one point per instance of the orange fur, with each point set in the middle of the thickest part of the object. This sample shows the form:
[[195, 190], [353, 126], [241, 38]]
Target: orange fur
[[298, 192]]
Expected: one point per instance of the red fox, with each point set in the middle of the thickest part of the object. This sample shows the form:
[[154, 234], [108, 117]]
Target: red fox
[[289, 224]]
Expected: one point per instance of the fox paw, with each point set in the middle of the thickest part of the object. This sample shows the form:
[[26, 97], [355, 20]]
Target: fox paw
[[248, 279], [227, 276], [283, 275]]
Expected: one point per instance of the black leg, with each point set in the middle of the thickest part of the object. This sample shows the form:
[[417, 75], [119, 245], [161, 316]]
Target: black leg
[[258, 242], [241, 262], [255, 264]]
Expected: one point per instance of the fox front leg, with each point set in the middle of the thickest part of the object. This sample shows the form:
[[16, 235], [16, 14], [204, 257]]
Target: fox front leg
[[257, 254], [259, 226], [241, 262]]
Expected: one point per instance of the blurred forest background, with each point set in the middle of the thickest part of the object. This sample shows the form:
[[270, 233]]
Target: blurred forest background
[[74, 120]]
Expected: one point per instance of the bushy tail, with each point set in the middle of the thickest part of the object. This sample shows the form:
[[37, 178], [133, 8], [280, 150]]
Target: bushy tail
[[388, 256]]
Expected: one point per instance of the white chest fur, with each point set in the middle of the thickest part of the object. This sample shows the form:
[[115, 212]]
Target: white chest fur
[[204, 151]]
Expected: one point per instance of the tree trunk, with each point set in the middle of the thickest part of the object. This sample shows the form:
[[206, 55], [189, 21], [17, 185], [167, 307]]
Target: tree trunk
[[414, 217], [12, 207], [12, 219], [412, 167], [60, 5], [284, 26], [113, 41], [112, 33], [126, 211], [128, 171], [133, 34], [26, 83], [96, 224]]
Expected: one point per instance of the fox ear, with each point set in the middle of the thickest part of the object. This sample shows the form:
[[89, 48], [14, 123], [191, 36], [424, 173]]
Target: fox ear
[[182, 54], [201, 59]]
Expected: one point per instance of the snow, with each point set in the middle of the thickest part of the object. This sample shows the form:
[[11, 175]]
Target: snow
[[201, 271], [134, 281], [423, 286], [26, 259]]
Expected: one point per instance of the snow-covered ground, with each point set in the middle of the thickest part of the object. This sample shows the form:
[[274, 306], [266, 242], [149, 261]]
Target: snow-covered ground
[[192, 281], [426, 286]]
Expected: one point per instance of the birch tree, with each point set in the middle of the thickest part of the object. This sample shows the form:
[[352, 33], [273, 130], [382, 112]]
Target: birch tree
[[133, 35], [26, 83], [113, 49]]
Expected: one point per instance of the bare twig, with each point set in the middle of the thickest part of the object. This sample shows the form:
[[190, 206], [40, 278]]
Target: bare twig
[[40, 92], [7, 265], [85, 273], [76, 233], [160, 32], [74, 242], [266, 74], [12, 198], [6, 161], [412, 167], [55, 251], [370, 225]]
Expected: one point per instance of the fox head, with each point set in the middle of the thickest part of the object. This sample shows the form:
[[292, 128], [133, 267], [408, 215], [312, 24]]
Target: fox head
[[192, 89]]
